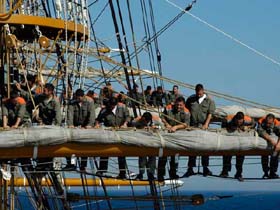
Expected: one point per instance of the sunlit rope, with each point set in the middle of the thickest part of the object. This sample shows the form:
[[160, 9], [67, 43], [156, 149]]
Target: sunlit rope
[[226, 34]]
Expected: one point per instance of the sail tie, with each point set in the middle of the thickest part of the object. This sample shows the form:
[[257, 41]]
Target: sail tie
[[162, 142]]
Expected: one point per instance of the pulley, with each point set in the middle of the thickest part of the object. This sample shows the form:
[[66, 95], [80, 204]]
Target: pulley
[[104, 50], [11, 41], [44, 41]]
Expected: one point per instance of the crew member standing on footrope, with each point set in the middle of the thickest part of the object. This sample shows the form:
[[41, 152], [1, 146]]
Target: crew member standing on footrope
[[201, 108]]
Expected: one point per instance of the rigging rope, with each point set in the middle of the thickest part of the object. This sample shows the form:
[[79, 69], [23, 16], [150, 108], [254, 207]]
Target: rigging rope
[[128, 58], [121, 51], [143, 46], [148, 44], [226, 34], [158, 54], [186, 85], [100, 14], [135, 49]]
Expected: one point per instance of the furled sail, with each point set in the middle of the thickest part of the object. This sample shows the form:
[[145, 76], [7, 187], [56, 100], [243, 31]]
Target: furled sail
[[191, 141]]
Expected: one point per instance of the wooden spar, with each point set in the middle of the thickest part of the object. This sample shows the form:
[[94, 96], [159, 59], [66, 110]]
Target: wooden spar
[[77, 182], [44, 22], [112, 150]]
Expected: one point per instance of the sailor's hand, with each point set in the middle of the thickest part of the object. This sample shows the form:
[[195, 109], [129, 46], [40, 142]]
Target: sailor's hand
[[6, 127], [97, 126], [124, 125], [274, 143], [71, 126], [15, 126], [18, 86], [204, 127], [172, 129], [277, 147], [35, 114], [168, 127]]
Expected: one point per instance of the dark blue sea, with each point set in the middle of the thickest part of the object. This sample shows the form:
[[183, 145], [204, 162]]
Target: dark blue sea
[[216, 200]]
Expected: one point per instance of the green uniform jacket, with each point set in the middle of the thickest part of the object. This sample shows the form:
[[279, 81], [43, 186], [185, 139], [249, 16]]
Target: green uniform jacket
[[199, 112], [183, 116], [138, 97], [14, 111], [49, 110], [172, 97], [263, 129], [159, 99], [114, 120], [81, 115]]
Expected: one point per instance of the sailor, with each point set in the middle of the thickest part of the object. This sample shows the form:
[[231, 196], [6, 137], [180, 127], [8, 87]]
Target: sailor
[[136, 95], [122, 98], [239, 123], [48, 106], [159, 97], [113, 115], [105, 94], [149, 163], [49, 110], [201, 108], [267, 127], [80, 113], [34, 86], [29, 90], [148, 95], [92, 95], [175, 117], [172, 95], [15, 113]]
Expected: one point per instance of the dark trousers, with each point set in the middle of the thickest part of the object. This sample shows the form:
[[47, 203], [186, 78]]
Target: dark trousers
[[204, 161], [238, 165], [271, 165], [161, 166], [103, 164], [147, 162]]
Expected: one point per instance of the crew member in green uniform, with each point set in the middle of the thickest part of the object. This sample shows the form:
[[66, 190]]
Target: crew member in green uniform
[[80, 113], [201, 108], [15, 113], [175, 117], [113, 115], [145, 121], [267, 127], [49, 107]]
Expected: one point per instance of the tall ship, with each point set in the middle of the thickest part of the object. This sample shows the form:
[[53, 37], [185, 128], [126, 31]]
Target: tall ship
[[108, 54]]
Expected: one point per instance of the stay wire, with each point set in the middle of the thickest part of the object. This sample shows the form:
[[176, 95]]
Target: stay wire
[[238, 41], [148, 36], [121, 51], [128, 57], [158, 54], [99, 15], [142, 47], [98, 53], [135, 48], [92, 3], [148, 41]]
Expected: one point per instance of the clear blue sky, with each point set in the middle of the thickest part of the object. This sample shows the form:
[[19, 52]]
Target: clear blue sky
[[194, 53]]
